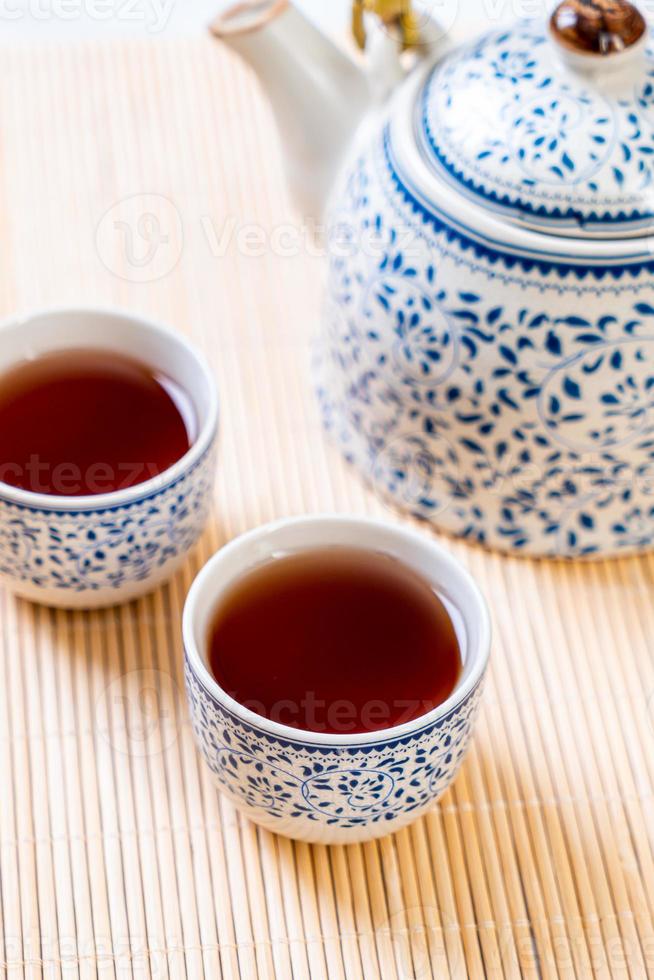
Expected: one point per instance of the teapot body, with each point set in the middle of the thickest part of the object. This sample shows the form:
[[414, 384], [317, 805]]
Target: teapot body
[[486, 357], [498, 386]]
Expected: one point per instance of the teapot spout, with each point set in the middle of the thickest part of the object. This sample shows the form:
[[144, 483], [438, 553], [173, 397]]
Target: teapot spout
[[318, 93]]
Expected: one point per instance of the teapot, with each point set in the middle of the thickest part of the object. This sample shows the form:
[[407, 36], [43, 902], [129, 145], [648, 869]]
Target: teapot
[[486, 355]]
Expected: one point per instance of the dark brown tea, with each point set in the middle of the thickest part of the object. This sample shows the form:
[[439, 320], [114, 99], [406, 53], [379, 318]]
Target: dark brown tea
[[337, 640], [80, 422]]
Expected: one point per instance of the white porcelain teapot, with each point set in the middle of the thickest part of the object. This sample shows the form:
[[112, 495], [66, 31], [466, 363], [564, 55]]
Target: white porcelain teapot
[[487, 352]]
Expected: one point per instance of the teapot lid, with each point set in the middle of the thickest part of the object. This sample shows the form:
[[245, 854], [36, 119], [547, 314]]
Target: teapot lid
[[552, 129]]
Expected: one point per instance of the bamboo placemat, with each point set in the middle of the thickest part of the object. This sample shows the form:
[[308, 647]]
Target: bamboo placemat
[[117, 856]]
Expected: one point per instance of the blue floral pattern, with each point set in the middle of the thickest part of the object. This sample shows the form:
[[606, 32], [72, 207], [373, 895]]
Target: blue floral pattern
[[510, 406], [508, 123], [330, 794], [89, 551]]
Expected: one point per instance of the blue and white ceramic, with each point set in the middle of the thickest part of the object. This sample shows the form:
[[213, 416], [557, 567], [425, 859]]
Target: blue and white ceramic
[[514, 123], [100, 550], [487, 353], [333, 789]]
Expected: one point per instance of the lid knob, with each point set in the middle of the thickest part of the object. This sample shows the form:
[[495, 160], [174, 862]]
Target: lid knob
[[601, 27]]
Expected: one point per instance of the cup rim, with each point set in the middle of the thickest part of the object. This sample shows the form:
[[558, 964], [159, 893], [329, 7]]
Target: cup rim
[[119, 498], [469, 680]]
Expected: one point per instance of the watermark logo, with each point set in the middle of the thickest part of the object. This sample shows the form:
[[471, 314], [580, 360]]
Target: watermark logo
[[138, 713], [140, 238], [417, 23], [418, 944], [417, 472], [434, 19]]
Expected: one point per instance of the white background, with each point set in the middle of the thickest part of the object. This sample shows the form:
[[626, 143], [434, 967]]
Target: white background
[[34, 20]]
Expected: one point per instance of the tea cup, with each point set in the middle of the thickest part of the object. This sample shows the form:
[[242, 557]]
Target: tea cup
[[333, 788], [99, 550]]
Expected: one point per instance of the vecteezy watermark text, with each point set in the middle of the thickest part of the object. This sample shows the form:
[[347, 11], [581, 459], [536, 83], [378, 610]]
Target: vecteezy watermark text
[[339, 716], [67, 479], [153, 15], [141, 238]]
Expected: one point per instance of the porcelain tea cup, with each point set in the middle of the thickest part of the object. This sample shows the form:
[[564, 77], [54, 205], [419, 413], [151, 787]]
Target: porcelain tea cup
[[91, 551], [328, 788]]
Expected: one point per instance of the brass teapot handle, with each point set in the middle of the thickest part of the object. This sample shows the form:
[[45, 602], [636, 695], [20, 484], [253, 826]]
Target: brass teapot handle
[[396, 14], [395, 29]]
